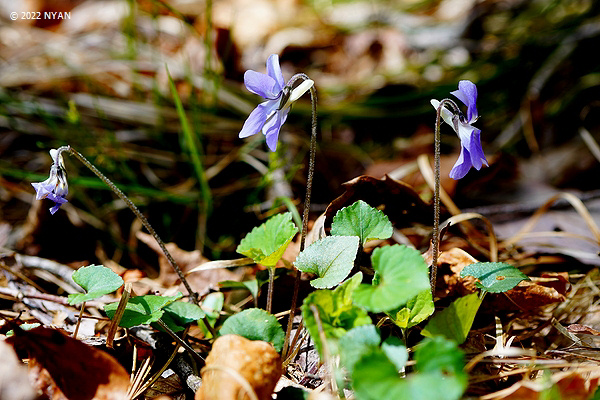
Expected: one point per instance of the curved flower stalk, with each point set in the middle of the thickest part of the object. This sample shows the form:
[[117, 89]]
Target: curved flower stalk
[[471, 153], [270, 115], [56, 187]]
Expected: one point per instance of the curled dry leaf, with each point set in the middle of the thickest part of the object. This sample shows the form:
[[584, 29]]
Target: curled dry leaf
[[527, 295], [79, 371], [14, 383], [235, 365], [572, 385]]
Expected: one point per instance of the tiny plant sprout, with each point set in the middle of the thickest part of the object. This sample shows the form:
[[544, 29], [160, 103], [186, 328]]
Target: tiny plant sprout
[[270, 115], [54, 188]]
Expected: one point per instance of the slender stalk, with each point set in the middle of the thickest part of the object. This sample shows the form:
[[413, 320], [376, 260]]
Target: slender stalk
[[270, 292], [311, 172], [435, 240], [138, 214]]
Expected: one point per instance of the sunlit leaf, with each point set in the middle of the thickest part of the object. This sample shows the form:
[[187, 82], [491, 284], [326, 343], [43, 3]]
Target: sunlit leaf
[[337, 313], [330, 258], [266, 243], [416, 310], [455, 321], [255, 324], [494, 277], [362, 220], [141, 309], [402, 274], [96, 280]]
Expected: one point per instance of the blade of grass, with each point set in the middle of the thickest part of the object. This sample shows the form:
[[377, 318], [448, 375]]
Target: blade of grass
[[195, 155]]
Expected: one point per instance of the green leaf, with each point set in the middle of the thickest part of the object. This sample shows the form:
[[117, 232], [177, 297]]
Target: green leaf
[[212, 306], [494, 277], [251, 286], [331, 258], [395, 351], [267, 242], [96, 280], [178, 314], [443, 362], [402, 274], [455, 321], [416, 310], [141, 309], [376, 377], [337, 313], [255, 324], [362, 220], [356, 343]]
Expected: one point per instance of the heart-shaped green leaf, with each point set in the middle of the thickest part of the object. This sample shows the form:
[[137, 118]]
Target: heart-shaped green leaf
[[255, 324], [266, 243], [336, 311], [96, 280], [331, 258], [416, 310], [376, 377], [362, 220], [494, 277], [455, 321], [178, 314], [402, 274], [357, 342], [212, 306], [141, 309]]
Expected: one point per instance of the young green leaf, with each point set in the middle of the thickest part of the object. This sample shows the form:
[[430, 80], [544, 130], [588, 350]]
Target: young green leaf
[[455, 321], [330, 258], [376, 377], [362, 220], [402, 274], [255, 324], [395, 351], [266, 243], [178, 314], [356, 343], [96, 280], [141, 309], [212, 306], [416, 310], [336, 311], [494, 277]]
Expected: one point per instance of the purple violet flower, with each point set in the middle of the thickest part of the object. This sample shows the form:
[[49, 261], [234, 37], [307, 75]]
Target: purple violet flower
[[54, 188], [270, 115], [471, 153]]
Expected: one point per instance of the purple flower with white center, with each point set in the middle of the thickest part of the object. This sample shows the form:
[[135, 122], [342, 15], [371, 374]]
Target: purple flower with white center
[[270, 115], [471, 153], [54, 188]]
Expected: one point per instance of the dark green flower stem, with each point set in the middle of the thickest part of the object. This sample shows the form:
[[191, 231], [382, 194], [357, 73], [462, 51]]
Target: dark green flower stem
[[193, 296], [305, 214], [435, 240]]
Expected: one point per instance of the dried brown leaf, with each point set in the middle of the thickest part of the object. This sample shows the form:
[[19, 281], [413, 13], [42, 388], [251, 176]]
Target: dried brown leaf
[[80, 371], [235, 362]]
